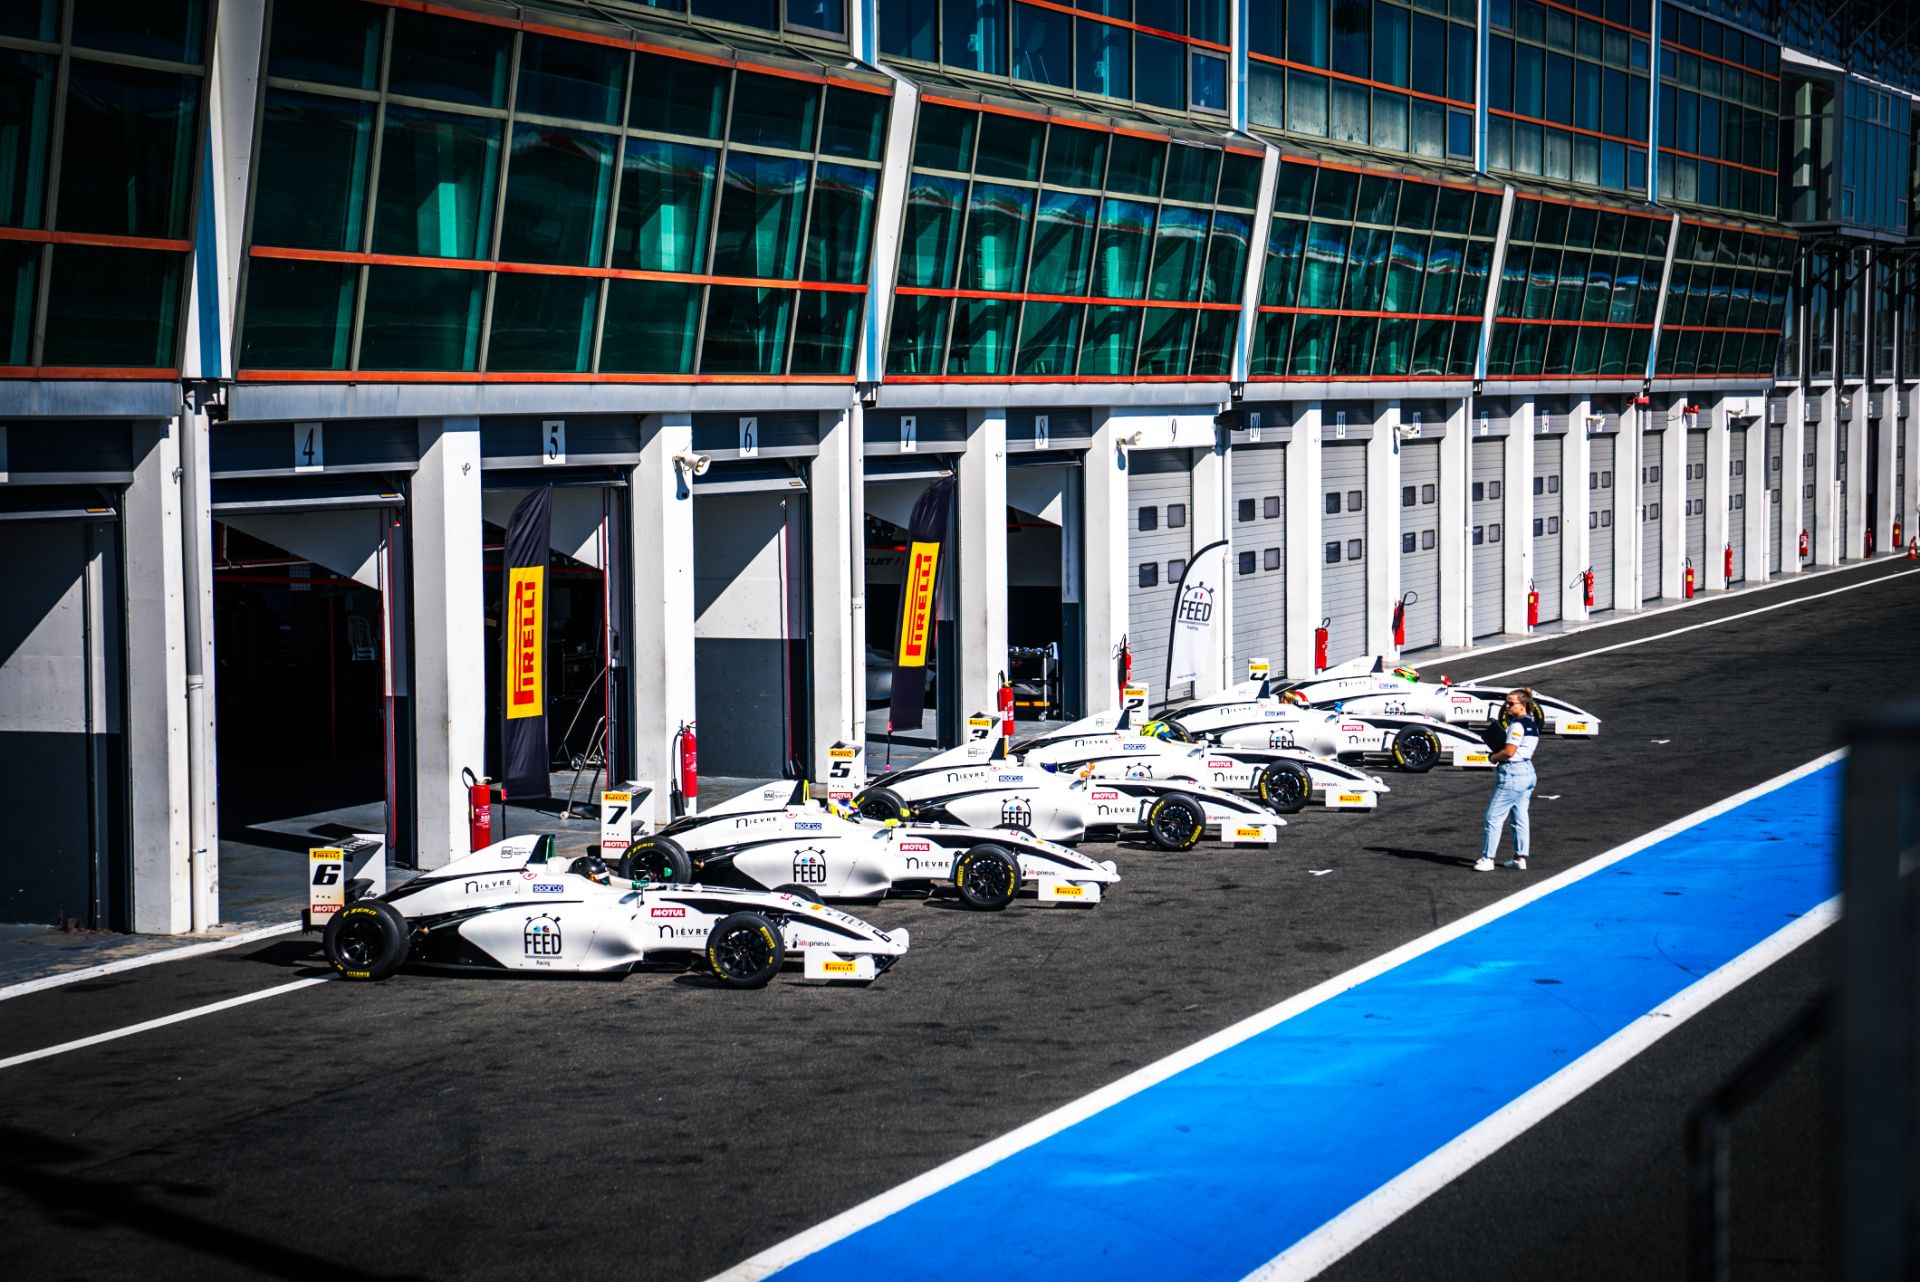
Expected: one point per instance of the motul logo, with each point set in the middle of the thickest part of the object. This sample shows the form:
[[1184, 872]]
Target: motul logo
[[916, 845], [669, 912]]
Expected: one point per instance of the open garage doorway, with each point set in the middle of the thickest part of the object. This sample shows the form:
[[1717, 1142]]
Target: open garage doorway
[[892, 488], [1044, 625]]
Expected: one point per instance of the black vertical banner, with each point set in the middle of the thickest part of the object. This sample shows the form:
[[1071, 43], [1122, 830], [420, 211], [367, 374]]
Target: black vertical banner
[[524, 605], [918, 595]]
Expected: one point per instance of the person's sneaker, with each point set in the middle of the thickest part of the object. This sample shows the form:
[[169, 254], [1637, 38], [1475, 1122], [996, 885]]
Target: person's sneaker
[[1518, 862], [1485, 865]]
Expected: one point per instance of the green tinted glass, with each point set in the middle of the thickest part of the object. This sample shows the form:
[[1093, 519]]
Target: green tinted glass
[[1353, 348], [127, 153], [172, 30], [424, 318], [31, 19], [26, 129], [826, 329], [982, 337], [1164, 340], [113, 307], [1227, 258], [1137, 165], [448, 60], [19, 270], [1293, 190], [1049, 339], [650, 326], [666, 202], [1366, 268], [1405, 263], [854, 124], [1076, 157], [1453, 210], [542, 323], [1286, 242], [761, 209], [331, 42], [437, 182], [1120, 255], [1192, 173], [1239, 180], [1271, 335], [773, 111], [1325, 265], [1213, 334], [1009, 148], [919, 334], [675, 96], [299, 315], [311, 186], [842, 226], [746, 330], [1443, 277], [1312, 345], [1394, 348], [1062, 244], [559, 193], [944, 138], [571, 79], [930, 245], [1179, 248], [1107, 350], [996, 245]]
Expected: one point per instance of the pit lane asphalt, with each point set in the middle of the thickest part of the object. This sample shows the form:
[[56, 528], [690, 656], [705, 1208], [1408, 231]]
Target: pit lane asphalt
[[436, 1126]]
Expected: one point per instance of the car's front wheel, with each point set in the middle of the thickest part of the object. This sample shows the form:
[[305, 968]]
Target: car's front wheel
[[745, 950], [987, 877], [1175, 822], [657, 859], [1283, 787], [881, 804], [1416, 749], [366, 940]]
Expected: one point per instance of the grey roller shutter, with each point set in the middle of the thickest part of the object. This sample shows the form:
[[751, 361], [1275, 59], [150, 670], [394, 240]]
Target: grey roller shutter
[[1900, 476], [1737, 500], [1776, 514], [1160, 511], [1420, 541], [1808, 462], [1602, 508], [1488, 538], [1343, 554], [1547, 576], [1650, 517], [1696, 506], [1258, 527]]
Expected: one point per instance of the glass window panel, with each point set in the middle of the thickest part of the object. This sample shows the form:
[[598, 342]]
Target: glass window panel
[[945, 138], [1388, 127], [1271, 334], [1120, 257], [422, 318], [1009, 148], [169, 29], [1049, 339], [1347, 119], [26, 128], [982, 336], [1164, 340], [437, 176], [854, 124], [19, 276], [1293, 189], [127, 155], [1076, 157], [1108, 348], [1406, 264], [907, 28], [1390, 45], [299, 315], [1460, 58], [974, 35], [842, 226], [773, 111], [1159, 68], [463, 62], [1476, 262], [1042, 46], [1528, 85], [675, 96], [826, 328], [1191, 173], [1266, 94], [1350, 48], [569, 78], [1453, 209], [1307, 32], [1312, 345], [1062, 244], [1326, 262], [1366, 268], [748, 13], [311, 185], [31, 19], [1239, 180], [1209, 82], [761, 208], [1353, 349], [1336, 193], [1307, 103], [1443, 277], [919, 334], [650, 327], [1137, 166], [1213, 336], [996, 247], [746, 330], [1430, 68], [542, 324], [1378, 197], [1285, 239], [559, 193], [1429, 356], [334, 42], [1395, 349], [1429, 128], [1178, 250], [1227, 258], [666, 203], [1104, 65]]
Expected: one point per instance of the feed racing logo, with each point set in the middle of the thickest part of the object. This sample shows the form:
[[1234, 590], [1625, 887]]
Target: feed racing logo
[[541, 938], [1016, 812], [526, 588], [1196, 605], [810, 867]]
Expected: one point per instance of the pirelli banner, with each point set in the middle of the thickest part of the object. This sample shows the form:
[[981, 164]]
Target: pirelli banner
[[524, 604], [919, 594]]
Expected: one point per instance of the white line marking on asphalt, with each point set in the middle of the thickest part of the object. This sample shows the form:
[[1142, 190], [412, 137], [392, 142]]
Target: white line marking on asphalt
[[1373, 1213], [114, 1036], [879, 1207], [150, 959], [1693, 627]]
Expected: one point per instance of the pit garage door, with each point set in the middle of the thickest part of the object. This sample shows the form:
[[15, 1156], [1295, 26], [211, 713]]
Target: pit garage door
[[1547, 560], [1420, 541], [1651, 526], [1343, 590], [1737, 500], [1900, 478], [1600, 512], [1489, 560], [1259, 533], [1776, 514], [1808, 462], [1160, 495], [1696, 506], [1043, 583]]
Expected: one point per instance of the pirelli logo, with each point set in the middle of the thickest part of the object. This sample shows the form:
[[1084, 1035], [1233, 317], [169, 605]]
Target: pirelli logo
[[916, 611], [526, 634]]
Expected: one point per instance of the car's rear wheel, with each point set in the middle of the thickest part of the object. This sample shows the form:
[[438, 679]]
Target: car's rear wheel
[[987, 877], [1283, 787], [657, 859], [1175, 822], [881, 804], [745, 950], [366, 940], [1416, 749]]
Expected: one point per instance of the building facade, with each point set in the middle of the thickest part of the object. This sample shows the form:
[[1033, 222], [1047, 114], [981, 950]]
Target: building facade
[[1442, 311]]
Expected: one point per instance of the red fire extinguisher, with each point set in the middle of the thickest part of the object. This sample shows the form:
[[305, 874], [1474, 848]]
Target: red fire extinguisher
[[1123, 667], [1400, 618], [1533, 607], [1726, 571], [1006, 707], [687, 795], [1869, 540], [479, 810], [1587, 588], [1686, 583], [1804, 546], [1320, 646], [1896, 534]]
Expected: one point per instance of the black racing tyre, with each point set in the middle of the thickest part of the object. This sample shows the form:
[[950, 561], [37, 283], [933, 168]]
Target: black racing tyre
[[881, 804], [804, 892], [1283, 787], [987, 877], [1416, 749], [1176, 822], [745, 950], [366, 940], [656, 859]]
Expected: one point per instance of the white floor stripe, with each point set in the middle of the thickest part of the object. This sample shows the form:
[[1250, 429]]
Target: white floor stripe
[[1333, 1240], [877, 1208], [148, 1026], [1693, 627], [149, 959]]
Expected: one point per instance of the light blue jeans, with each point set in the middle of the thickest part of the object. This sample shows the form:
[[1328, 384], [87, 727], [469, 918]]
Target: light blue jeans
[[1513, 783]]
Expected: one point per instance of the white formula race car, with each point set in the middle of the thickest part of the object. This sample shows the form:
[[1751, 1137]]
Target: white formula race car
[[978, 786], [515, 906], [1258, 720], [788, 843], [1367, 686]]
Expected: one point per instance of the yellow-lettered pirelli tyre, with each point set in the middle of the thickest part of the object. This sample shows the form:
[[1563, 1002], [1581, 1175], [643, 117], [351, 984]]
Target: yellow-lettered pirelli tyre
[[745, 950], [366, 940], [1176, 822], [1283, 787], [1416, 749], [881, 804], [656, 859], [987, 877]]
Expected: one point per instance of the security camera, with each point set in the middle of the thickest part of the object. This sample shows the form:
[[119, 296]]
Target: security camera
[[694, 463]]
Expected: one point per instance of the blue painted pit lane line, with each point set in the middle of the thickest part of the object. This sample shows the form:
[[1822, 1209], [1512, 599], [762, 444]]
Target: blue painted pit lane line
[[1226, 1167]]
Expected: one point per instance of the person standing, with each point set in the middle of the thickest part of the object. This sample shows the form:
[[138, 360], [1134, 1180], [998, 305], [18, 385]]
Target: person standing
[[1513, 780]]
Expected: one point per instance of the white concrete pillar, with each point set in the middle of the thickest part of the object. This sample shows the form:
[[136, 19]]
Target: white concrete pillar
[[1456, 527], [1104, 545], [1712, 576], [1304, 523], [232, 104], [1630, 453], [449, 634], [836, 524], [1888, 430], [1754, 486], [1383, 528], [1673, 499], [1795, 513], [1909, 432], [1827, 514], [1576, 501], [1516, 507], [1211, 485], [1853, 515], [981, 613], [661, 628]]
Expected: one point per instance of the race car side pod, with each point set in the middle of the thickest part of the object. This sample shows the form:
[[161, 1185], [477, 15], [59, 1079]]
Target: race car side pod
[[1686, 583], [1320, 646], [1533, 607]]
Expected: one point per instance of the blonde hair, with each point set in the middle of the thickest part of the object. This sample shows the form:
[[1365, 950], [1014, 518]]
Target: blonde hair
[[1525, 695]]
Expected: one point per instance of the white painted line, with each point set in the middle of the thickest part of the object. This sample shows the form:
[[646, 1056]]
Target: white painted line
[[878, 1208], [149, 1025], [149, 959], [1333, 1240], [1693, 627]]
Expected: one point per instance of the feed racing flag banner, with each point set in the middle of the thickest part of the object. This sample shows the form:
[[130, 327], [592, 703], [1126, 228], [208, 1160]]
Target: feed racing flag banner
[[1195, 607], [524, 609], [918, 595]]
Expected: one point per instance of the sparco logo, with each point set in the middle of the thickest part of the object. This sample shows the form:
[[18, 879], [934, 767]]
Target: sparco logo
[[810, 867], [1196, 604], [1016, 812], [542, 936]]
